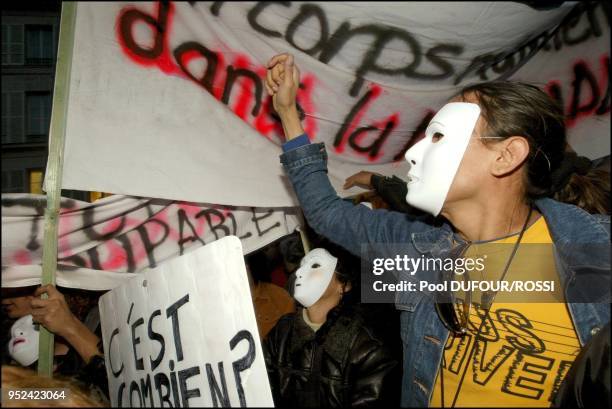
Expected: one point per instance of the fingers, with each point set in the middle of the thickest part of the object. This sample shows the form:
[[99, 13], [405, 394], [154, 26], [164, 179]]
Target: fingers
[[280, 58], [38, 316], [48, 311], [46, 317], [296, 75], [49, 289], [42, 290], [39, 303], [362, 179], [278, 73], [353, 180], [274, 78], [349, 182], [289, 68], [269, 82]]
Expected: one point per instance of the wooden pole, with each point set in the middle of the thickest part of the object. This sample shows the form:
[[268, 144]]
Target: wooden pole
[[303, 236], [53, 178]]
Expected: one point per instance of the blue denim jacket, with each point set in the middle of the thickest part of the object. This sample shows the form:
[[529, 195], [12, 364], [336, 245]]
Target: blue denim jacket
[[578, 239]]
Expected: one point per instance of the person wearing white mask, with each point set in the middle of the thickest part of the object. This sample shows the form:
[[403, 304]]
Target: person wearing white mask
[[492, 167], [23, 345], [325, 355], [77, 348]]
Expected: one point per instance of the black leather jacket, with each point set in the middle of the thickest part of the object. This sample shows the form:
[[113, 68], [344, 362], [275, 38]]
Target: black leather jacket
[[342, 364], [587, 384]]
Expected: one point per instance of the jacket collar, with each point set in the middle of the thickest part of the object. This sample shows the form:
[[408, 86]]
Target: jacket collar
[[336, 334], [571, 228], [569, 223], [435, 241]]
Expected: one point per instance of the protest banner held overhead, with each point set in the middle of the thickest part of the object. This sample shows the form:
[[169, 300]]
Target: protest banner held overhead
[[101, 242], [170, 95]]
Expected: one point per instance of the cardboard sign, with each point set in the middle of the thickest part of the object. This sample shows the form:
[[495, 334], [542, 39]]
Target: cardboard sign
[[185, 334]]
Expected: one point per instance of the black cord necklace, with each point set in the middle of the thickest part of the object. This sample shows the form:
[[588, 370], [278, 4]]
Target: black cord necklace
[[490, 296]]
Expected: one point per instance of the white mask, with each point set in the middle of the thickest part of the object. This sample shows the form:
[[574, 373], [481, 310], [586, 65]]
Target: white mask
[[314, 275], [433, 164], [23, 346]]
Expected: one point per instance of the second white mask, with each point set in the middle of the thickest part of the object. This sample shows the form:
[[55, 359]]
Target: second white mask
[[23, 345], [313, 277]]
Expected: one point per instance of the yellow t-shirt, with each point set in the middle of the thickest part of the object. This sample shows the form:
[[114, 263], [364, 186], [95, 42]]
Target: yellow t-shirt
[[524, 350]]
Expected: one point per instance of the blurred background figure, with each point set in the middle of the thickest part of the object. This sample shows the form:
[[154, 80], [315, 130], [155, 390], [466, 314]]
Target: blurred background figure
[[73, 318], [77, 394], [269, 300]]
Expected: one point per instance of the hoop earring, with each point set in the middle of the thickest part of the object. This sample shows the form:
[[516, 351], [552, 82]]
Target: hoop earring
[[545, 157]]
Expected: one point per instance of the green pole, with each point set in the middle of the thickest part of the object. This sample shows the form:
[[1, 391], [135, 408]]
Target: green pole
[[303, 236], [53, 178]]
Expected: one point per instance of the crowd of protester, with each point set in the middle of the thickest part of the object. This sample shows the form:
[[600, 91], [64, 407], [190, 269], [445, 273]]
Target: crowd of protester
[[322, 345]]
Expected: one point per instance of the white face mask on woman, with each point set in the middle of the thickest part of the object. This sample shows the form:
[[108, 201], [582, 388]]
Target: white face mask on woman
[[23, 346], [435, 159], [314, 275]]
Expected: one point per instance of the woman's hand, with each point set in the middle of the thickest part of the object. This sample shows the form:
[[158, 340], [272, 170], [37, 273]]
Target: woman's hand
[[282, 83], [363, 179], [53, 313], [282, 87], [56, 316]]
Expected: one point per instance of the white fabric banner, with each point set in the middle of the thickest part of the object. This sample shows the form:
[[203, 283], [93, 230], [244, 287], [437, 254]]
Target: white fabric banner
[[167, 100], [184, 334], [98, 243]]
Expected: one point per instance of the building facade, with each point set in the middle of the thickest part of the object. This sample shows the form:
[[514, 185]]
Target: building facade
[[30, 32]]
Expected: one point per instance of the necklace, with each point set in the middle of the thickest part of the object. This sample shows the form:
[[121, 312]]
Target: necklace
[[486, 302], [489, 296]]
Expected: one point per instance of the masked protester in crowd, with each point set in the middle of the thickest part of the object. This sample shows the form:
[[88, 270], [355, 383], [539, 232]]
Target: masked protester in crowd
[[78, 349], [325, 355], [486, 171]]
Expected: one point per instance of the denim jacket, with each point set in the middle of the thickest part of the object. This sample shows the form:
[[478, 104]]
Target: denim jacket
[[578, 240]]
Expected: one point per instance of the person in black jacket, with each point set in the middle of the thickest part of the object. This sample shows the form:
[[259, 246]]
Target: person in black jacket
[[325, 354], [587, 384]]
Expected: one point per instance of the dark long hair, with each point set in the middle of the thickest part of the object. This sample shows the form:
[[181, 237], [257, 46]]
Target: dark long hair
[[347, 269], [552, 170]]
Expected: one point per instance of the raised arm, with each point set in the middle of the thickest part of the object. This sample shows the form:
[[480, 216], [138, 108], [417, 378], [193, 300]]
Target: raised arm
[[306, 165]]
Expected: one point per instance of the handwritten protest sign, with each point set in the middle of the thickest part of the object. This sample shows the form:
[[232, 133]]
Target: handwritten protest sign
[[170, 96], [100, 242], [184, 334]]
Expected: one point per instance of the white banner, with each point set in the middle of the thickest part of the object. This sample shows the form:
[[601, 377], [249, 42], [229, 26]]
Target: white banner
[[98, 243], [184, 334], [167, 100]]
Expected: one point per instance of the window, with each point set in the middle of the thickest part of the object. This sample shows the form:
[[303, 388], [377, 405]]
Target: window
[[38, 105], [39, 45], [12, 117], [12, 181], [93, 196], [76, 194], [12, 44], [35, 177]]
